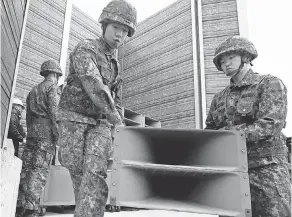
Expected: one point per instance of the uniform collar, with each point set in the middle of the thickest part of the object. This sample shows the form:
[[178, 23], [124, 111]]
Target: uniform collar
[[248, 79], [106, 49]]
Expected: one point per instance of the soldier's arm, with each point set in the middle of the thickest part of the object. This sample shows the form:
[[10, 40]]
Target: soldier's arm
[[52, 109], [21, 131], [13, 128], [271, 115], [82, 61], [210, 123], [117, 90]]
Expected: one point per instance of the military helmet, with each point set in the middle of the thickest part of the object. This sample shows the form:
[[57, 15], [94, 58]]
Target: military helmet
[[122, 12], [17, 101], [235, 44], [50, 66]]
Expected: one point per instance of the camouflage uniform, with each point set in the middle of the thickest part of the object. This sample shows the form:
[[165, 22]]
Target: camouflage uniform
[[42, 135], [258, 107], [87, 113]]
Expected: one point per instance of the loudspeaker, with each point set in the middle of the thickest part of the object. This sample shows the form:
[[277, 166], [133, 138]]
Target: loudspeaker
[[201, 171]]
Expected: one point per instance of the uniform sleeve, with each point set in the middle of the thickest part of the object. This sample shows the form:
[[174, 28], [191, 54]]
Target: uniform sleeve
[[271, 115], [117, 90], [84, 65], [210, 123], [13, 128], [28, 113], [52, 109]]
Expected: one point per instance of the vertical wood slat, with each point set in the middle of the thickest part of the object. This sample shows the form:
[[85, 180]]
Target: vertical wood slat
[[12, 20]]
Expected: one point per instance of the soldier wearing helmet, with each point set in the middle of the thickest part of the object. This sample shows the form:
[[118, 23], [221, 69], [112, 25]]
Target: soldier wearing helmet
[[16, 131], [90, 107], [42, 136], [257, 105]]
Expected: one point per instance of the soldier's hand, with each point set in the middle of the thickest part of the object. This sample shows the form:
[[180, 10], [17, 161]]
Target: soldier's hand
[[115, 118], [55, 134], [109, 96]]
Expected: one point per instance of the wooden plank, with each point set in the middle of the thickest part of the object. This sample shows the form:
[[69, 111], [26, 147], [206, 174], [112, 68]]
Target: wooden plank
[[12, 19], [221, 27], [80, 20], [19, 12], [9, 57], [161, 17], [166, 60], [159, 46], [48, 10], [204, 2], [219, 10], [4, 98], [6, 82], [182, 21], [6, 31]]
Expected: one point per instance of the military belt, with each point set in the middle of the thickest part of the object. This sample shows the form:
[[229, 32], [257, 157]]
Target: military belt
[[41, 120], [103, 122], [267, 151]]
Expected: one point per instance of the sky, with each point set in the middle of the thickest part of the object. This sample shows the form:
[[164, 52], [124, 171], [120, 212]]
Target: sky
[[268, 24]]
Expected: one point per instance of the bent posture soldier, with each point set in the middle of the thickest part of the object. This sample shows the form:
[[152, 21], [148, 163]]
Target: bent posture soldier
[[16, 131], [90, 106], [257, 105], [42, 135]]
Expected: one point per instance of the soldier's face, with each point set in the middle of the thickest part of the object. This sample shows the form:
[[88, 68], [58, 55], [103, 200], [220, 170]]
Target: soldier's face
[[115, 34], [230, 64]]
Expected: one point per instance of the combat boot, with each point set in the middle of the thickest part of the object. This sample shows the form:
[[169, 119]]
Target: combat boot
[[31, 213]]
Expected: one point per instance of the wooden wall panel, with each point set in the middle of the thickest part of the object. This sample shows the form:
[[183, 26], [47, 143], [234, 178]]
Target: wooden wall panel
[[220, 21], [12, 13], [82, 27], [158, 67]]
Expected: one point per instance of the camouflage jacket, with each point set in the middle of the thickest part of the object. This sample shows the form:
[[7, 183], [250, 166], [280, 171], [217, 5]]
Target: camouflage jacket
[[257, 106], [92, 65], [41, 107], [16, 131]]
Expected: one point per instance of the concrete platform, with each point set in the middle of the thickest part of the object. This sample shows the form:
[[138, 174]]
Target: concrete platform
[[140, 213]]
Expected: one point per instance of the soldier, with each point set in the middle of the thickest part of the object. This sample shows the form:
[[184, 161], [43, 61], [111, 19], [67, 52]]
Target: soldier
[[42, 134], [16, 131], [90, 106], [257, 105]]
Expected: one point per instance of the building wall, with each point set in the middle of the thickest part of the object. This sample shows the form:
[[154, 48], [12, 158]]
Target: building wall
[[158, 67], [219, 21], [82, 26], [12, 14]]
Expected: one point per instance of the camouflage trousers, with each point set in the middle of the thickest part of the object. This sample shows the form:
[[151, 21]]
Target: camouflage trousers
[[34, 174], [84, 151], [270, 188]]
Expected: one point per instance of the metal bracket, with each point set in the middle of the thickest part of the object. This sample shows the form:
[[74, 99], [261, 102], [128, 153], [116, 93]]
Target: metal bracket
[[113, 201], [248, 213]]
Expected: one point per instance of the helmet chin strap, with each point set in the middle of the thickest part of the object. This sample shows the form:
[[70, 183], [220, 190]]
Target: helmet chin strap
[[239, 68]]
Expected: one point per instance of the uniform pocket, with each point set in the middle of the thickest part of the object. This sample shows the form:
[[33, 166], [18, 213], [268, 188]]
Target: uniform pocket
[[245, 108], [41, 158], [98, 143]]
